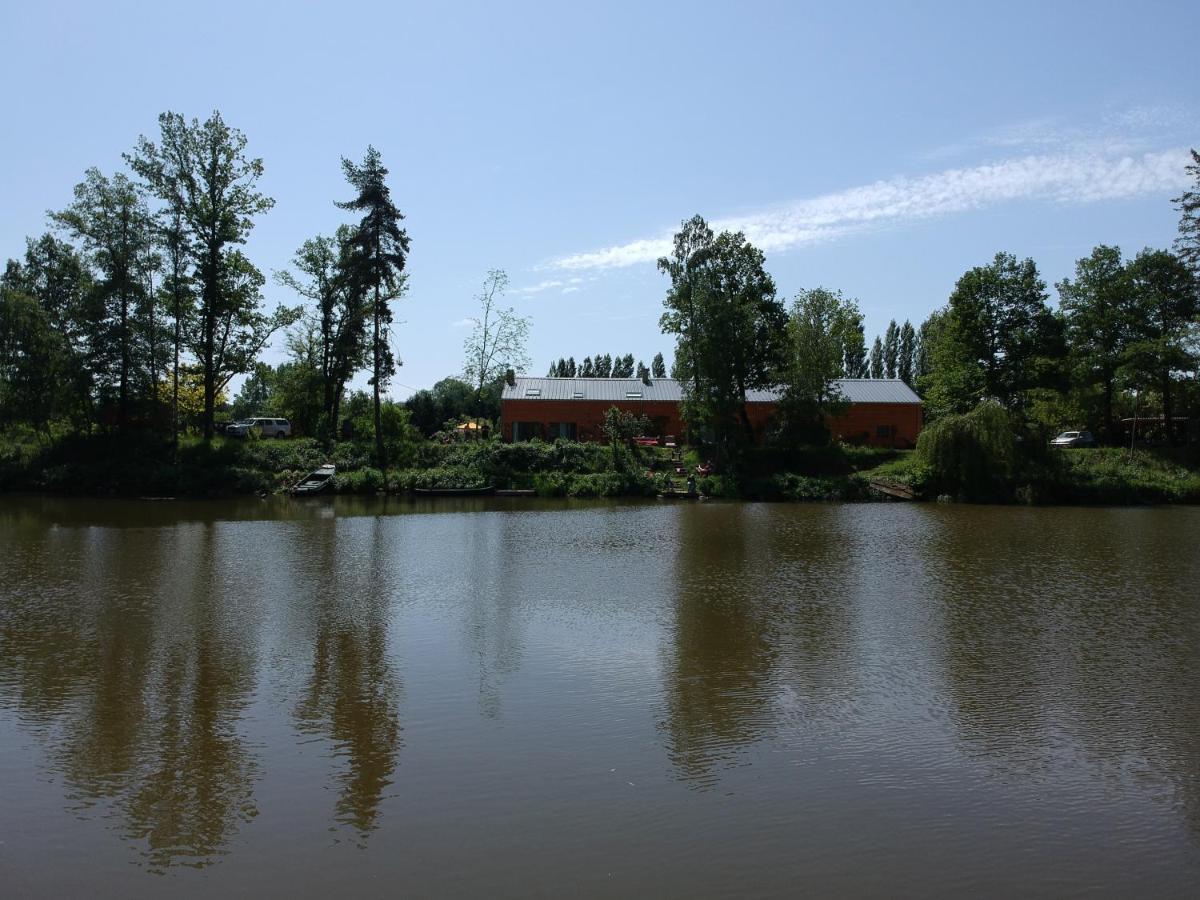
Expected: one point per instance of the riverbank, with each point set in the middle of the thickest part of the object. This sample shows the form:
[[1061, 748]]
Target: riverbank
[[101, 465]]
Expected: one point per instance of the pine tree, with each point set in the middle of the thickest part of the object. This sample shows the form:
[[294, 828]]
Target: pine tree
[[891, 349], [908, 347], [378, 251], [658, 368], [1187, 245]]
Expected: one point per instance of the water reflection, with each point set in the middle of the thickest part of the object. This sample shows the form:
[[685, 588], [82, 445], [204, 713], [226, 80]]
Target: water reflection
[[135, 663], [720, 659], [352, 693], [1076, 653]]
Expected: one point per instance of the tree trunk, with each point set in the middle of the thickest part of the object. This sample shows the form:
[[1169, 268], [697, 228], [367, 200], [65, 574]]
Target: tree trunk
[[1167, 406], [379, 449], [123, 390]]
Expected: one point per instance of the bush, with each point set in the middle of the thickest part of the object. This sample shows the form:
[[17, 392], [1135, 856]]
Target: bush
[[972, 456]]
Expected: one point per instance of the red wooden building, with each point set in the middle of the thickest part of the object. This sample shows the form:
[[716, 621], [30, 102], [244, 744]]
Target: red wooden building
[[883, 411]]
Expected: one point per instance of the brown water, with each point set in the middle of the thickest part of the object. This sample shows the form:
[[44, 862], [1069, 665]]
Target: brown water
[[513, 698]]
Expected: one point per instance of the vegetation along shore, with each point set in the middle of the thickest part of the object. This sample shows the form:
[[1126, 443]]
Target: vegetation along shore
[[124, 327]]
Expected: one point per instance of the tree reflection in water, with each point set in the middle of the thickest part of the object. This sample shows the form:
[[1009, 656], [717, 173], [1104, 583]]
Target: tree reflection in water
[[352, 694]]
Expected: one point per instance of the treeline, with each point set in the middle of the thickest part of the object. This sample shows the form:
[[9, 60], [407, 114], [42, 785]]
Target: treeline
[[141, 294], [602, 365], [1124, 340]]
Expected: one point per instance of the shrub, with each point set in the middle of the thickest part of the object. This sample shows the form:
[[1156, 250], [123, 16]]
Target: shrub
[[973, 456]]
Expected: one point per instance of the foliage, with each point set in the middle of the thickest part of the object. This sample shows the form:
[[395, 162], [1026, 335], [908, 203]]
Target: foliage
[[497, 340], [1187, 245], [820, 327], [200, 171]]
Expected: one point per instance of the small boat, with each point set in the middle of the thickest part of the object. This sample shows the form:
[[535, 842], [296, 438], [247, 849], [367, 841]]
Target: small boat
[[455, 492], [516, 492], [679, 495], [316, 481]]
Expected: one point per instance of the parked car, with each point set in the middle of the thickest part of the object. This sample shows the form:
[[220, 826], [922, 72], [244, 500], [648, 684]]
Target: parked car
[[277, 428], [232, 428], [1074, 439]]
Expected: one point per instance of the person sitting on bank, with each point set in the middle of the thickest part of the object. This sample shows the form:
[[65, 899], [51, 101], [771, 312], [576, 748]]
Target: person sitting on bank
[[691, 484]]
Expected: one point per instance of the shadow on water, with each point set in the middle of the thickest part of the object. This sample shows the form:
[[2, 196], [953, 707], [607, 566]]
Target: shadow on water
[[135, 665], [1071, 642]]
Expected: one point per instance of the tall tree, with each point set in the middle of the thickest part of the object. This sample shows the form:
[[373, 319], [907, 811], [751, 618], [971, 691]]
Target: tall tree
[[586, 369], [730, 327], [854, 346], [1005, 326], [1187, 245], [33, 359], [1165, 305], [378, 249], [498, 337], [876, 363], [1098, 311], [891, 349], [571, 369], [817, 325], [658, 368], [110, 217], [201, 170], [687, 268], [908, 351]]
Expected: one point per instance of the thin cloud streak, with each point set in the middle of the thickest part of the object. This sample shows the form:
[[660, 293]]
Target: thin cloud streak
[[1059, 178]]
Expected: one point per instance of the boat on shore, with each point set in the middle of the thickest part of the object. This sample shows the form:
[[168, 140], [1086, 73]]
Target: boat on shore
[[456, 492], [680, 495], [315, 482]]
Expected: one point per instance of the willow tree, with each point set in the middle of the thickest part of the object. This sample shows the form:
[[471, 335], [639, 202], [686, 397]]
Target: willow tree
[[377, 250]]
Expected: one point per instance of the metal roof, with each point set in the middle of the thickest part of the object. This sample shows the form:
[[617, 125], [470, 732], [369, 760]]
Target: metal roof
[[855, 390]]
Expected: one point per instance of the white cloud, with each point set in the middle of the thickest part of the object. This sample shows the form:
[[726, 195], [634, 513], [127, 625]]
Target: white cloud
[[1077, 176], [568, 285], [462, 323]]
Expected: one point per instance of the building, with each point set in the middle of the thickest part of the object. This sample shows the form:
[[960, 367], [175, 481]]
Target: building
[[883, 411]]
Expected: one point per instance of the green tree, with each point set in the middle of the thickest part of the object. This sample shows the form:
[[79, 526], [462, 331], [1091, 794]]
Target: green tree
[[33, 360], [730, 327], [876, 363], [817, 326], [658, 368], [891, 349], [378, 250], [111, 219], [1004, 326], [1187, 245], [1165, 304], [571, 370], [908, 351], [1098, 311], [854, 347], [497, 340], [201, 171], [340, 316], [58, 277], [586, 369]]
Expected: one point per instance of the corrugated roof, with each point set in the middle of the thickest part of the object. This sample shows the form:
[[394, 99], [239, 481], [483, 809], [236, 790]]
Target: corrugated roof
[[856, 390]]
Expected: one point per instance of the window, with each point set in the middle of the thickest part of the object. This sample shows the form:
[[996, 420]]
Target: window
[[633, 395], [565, 430], [883, 431], [526, 431], [533, 392], [578, 395]]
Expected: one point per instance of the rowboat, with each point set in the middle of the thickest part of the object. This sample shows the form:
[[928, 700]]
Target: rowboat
[[316, 481]]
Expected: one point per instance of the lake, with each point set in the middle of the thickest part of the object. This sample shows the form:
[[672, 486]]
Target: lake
[[504, 698]]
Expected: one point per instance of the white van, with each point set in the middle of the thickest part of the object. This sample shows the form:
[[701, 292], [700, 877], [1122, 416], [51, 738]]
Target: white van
[[276, 428]]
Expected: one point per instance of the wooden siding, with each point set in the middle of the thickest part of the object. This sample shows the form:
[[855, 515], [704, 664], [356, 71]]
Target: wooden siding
[[862, 423]]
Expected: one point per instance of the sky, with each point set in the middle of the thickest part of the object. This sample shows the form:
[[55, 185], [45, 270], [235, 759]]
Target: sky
[[880, 149]]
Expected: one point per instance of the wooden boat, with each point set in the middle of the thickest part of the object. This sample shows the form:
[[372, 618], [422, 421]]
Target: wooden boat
[[316, 481], [455, 492], [516, 492], [899, 491], [679, 495]]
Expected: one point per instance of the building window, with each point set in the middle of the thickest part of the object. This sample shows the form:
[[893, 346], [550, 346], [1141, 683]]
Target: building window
[[533, 392], [564, 430], [526, 431], [633, 395], [883, 431]]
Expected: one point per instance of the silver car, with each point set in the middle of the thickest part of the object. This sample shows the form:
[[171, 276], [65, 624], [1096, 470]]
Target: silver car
[[1074, 439], [277, 428]]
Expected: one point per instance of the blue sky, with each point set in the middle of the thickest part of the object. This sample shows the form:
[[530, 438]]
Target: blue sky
[[881, 149]]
